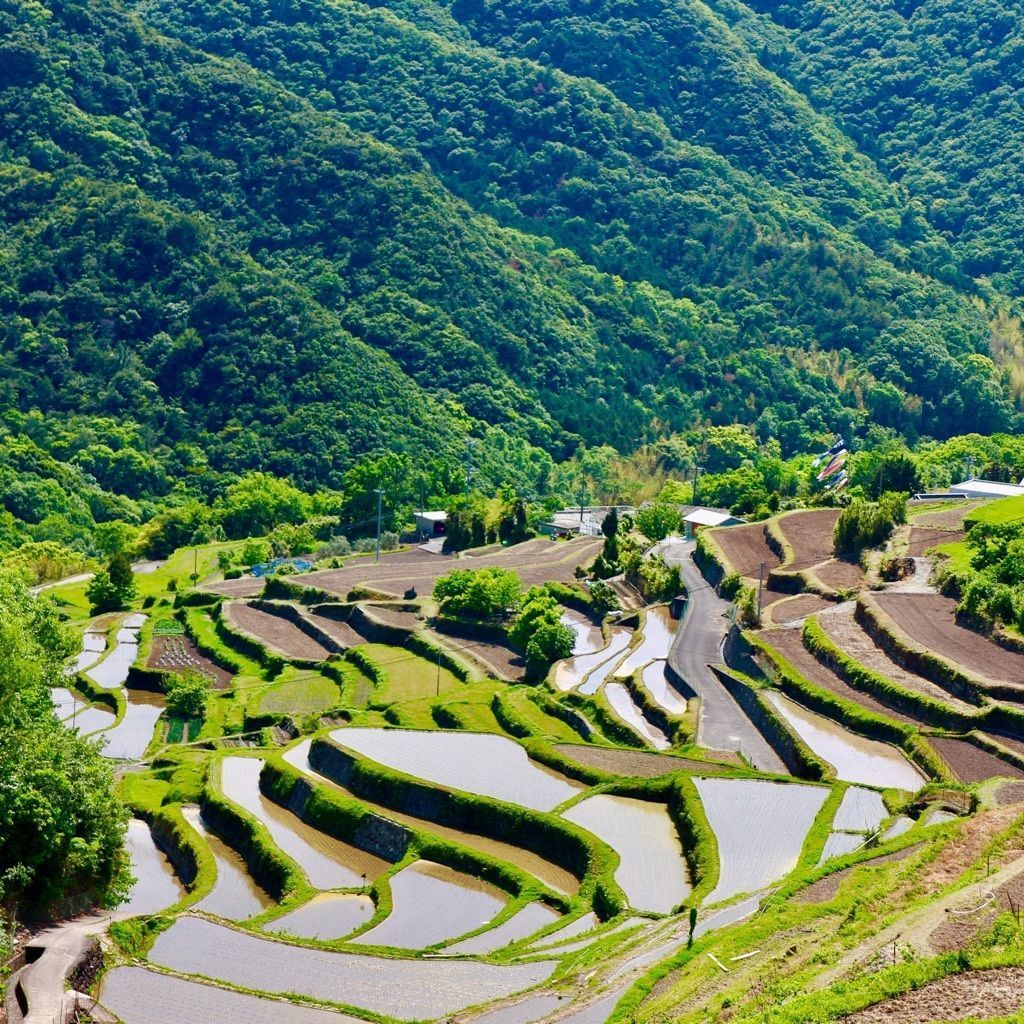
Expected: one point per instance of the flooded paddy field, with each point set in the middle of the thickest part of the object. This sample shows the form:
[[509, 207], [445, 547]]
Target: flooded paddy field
[[604, 668], [65, 703], [432, 903], [328, 863], [235, 895], [571, 672], [406, 989], [526, 1011], [530, 919], [94, 643], [479, 763], [586, 923], [127, 741], [550, 874], [652, 871], [156, 885], [141, 996], [658, 686], [327, 916], [588, 633], [760, 827], [625, 707], [854, 757], [861, 810], [113, 670], [90, 720], [840, 843], [659, 629]]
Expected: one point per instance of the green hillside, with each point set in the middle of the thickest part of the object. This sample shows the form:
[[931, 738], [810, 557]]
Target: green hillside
[[295, 237]]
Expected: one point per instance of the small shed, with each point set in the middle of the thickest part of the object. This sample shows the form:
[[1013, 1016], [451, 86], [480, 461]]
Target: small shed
[[702, 518], [431, 524]]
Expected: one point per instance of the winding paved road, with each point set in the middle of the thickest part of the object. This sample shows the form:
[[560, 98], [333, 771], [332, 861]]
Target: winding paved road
[[697, 644]]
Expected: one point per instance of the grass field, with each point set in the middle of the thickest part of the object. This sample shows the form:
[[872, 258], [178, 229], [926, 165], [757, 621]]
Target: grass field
[[299, 692], [408, 676], [996, 513]]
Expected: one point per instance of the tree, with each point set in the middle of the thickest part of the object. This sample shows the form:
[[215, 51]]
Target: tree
[[658, 520], [255, 550], [259, 502], [112, 588], [186, 694], [489, 593]]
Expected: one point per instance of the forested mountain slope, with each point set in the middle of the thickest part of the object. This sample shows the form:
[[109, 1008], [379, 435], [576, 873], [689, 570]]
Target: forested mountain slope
[[290, 235]]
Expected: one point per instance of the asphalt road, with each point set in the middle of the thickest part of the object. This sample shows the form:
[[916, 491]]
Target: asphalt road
[[697, 644]]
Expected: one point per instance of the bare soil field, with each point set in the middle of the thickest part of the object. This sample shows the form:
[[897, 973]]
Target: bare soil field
[[275, 632], [499, 659], [1010, 793], [944, 519], [340, 632], [536, 561], [971, 763], [620, 761], [393, 617], [980, 994], [961, 930], [845, 632], [840, 575], [244, 586], [179, 653], [746, 548], [798, 608], [930, 620], [789, 643], [810, 535], [1014, 743], [924, 537]]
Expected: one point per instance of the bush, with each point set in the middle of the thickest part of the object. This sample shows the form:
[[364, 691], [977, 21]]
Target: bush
[[255, 550], [112, 588], [485, 593], [658, 580], [186, 694], [603, 598], [866, 524], [336, 547]]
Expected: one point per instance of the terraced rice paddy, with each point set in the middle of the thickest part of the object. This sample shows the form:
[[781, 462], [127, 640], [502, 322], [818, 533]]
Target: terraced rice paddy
[[588, 634], [340, 632], [530, 919], [571, 672], [93, 646], [605, 668], [809, 534], [274, 631], [760, 827], [407, 989], [127, 741], [156, 885], [90, 721], [432, 903], [113, 670], [327, 916], [625, 707], [972, 763], [652, 871], [855, 758], [234, 895], [840, 843], [860, 811], [526, 1011], [659, 629], [140, 996], [745, 548], [326, 862], [550, 874], [656, 681], [480, 763], [65, 703]]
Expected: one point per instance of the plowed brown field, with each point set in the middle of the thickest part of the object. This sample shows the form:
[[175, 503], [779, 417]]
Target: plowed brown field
[[810, 535], [971, 763], [274, 632], [746, 548]]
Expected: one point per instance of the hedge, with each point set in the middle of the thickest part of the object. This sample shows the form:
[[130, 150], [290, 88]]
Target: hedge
[[544, 834], [570, 597], [508, 717], [711, 559], [609, 723], [860, 677], [700, 845], [112, 697]]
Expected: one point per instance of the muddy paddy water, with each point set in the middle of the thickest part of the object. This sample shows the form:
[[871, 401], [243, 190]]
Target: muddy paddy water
[[327, 916], [550, 874], [156, 885], [326, 862], [855, 758], [572, 671], [128, 740], [652, 871], [480, 763], [530, 919], [760, 827], [659, 628], [234, 894], [431, 903], [655, 679], [604, 669], [407, 989], [588, 634], [625, 707], [93, 646], [112, 671], [140, 996]]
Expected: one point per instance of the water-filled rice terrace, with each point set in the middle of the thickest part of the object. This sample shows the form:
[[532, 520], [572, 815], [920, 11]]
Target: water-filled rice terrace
[[376, 824]]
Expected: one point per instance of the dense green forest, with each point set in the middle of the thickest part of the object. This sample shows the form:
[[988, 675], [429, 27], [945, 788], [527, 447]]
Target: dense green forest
[[450, 243]]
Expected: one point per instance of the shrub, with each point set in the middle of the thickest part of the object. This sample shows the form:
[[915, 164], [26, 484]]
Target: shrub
[[112, 588], [603, 598], [864, 524], [186, 694], [485, 593], [334, 548]]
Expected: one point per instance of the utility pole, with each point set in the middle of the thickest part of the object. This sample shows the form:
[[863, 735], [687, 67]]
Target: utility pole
[[760, 590], [470, 444], [380, 499], [970, 467], [696, 473], [437, 692]]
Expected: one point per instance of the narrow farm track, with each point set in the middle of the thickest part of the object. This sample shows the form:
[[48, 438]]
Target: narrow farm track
[[697, 645]]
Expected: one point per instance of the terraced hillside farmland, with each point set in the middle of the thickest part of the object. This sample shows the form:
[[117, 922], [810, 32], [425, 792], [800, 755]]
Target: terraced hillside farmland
[[383, 828]]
